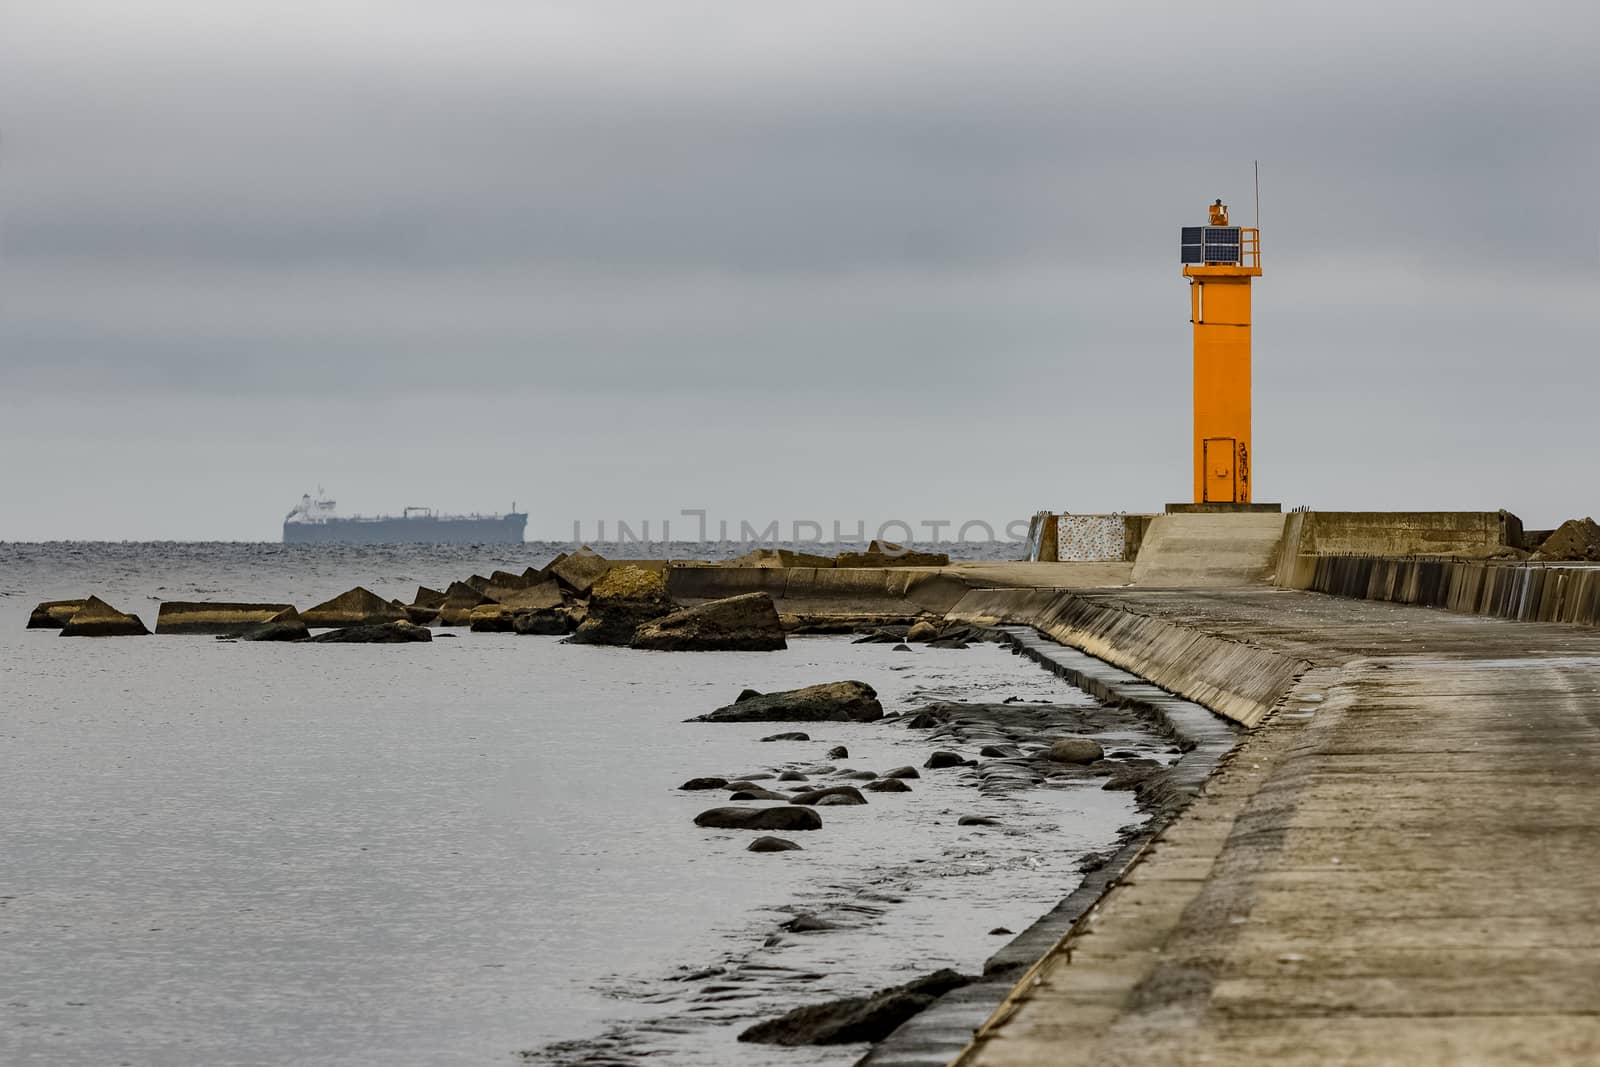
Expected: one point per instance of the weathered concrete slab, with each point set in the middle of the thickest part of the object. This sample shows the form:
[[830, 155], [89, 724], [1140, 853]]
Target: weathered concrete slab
[[214, 617]]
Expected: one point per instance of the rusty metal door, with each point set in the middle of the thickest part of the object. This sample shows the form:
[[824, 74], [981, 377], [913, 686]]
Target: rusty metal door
[[1222, 470]]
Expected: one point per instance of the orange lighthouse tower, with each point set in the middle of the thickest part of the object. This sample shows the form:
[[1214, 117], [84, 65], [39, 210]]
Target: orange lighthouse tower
[[1220, 260]]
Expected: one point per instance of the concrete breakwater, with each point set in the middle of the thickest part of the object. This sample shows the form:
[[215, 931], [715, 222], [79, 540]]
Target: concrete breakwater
[[1387, 871]]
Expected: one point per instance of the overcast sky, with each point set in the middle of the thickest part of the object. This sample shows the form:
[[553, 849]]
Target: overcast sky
[[897, 259]]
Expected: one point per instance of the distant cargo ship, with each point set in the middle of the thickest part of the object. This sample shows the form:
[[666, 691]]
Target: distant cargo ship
[[314, 522]]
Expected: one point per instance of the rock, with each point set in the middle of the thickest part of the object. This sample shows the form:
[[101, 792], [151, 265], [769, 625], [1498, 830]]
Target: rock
[[540, 596], [948, 642], [977, 820], [792, 735], [999, 931], [54, 614], [385, 633], [428, 598], [855, 1019], [621, 601], [922, 630], [1000, 752], [211, 617], [901, 648], [747, 623], [833, 702], [788, 817], [358, 607], [757, 793], [813, 796], [772, 844], [98, 619], [421, 614], [791, 776], [490, 619], [902, 772], [838, 800], [507, 580], [1574, 540], [860, 776], [1075, 750], [941, 759], [286, 626], [705, 783], [888, 785], [806, 923], [888, 554], [579, 571], [541, 623], [460, 600], [1127, 782]]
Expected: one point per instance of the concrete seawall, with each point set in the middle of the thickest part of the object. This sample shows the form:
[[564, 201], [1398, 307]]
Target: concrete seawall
[[1239, 681], [1529, 592]]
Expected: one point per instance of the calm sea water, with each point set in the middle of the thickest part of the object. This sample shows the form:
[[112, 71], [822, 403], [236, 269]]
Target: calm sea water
[[467, 852]]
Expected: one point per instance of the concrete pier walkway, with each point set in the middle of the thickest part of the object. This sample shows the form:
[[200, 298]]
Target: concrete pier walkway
[[1402, 866]]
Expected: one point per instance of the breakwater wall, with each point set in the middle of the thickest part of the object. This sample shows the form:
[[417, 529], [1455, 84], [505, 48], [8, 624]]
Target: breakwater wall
[[824, 590], [1238, 681], [1530, 592], [1310, 535]]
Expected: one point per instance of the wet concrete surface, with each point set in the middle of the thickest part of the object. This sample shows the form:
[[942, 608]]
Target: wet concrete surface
[[1398, 867]]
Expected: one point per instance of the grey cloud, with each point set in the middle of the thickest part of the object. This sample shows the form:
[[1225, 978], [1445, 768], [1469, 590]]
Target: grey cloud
[[905, 209]]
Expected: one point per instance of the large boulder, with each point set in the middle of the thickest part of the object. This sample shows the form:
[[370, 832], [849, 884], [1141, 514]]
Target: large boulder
[[772, 844], [1573, 541], [286, 626], [507, 580], [855, 1019], [421, 614], [624, 599], [542, 623], [538, 596], [775, 818], [215, 618], [460, 600], [579, 571], [428, 598], [747, 623], [1075, 750], [399, 632], [98, 619], [54, 614], [813, 797], [358, 607], [490, 619], [832, 702]]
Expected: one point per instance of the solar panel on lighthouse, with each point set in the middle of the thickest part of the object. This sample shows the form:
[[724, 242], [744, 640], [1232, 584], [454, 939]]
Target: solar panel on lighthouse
[[1222, 244], [1210, 244], [1193, 244]]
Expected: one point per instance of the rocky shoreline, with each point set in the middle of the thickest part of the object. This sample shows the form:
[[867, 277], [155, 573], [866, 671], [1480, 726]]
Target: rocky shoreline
[[998, 750]]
